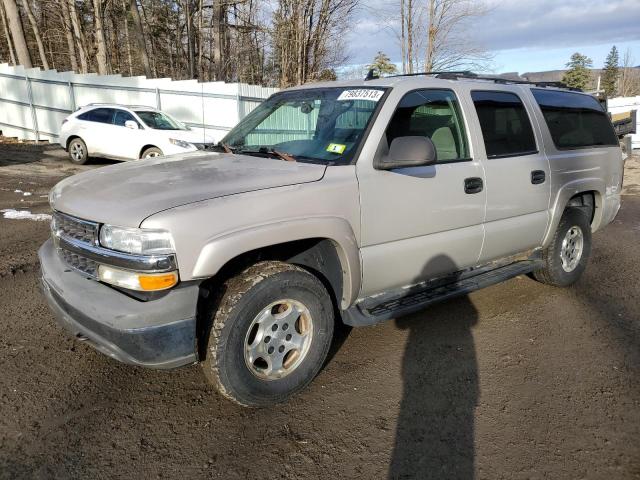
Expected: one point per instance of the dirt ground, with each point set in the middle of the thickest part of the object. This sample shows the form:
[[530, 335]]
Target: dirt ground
[[517, 381]]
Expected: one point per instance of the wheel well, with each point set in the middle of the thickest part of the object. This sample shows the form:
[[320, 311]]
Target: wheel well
[[70, 139], [587, 200], [317, 255], [146, 147]]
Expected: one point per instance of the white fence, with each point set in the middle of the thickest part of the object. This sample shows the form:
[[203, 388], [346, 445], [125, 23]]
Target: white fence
[[34, 102], [626, 104]]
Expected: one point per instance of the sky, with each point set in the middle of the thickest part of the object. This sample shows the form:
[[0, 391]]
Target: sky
[[522, 35]]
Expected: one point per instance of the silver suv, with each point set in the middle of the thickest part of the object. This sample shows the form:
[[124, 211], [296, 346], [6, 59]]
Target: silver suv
[[350, 202]]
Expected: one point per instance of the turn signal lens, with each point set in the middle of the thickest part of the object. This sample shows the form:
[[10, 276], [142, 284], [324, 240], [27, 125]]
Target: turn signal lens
[[151, 283], [144, 282]]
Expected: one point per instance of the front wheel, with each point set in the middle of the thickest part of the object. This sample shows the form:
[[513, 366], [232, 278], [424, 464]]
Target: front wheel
[[151, 152], [270, 336], [567, 255]]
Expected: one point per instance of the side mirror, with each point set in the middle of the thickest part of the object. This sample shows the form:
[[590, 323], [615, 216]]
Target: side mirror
[[131, 124], [409, 152]]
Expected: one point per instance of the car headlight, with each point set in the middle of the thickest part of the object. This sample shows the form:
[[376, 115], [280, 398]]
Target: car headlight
[[180, 143], [140, 241]]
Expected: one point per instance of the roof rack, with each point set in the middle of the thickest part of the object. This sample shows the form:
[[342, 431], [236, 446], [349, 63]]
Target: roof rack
[[466, 74]]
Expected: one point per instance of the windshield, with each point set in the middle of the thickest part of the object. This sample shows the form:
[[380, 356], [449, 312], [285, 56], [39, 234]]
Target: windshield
[[160, 121], [324, 125]]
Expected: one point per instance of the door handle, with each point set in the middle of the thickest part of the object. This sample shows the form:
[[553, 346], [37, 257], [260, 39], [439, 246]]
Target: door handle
[[473, 185], [538, 177]]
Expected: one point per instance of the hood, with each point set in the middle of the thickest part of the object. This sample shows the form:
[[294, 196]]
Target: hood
[[127, 193]]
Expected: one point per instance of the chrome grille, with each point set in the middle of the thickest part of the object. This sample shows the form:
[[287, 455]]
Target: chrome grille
[[80, 263], [74, 228]]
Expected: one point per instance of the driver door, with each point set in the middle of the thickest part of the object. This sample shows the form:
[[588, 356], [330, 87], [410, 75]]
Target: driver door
[[419, 223]]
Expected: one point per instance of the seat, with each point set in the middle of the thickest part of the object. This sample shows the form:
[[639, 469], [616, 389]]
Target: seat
[[445, 143]]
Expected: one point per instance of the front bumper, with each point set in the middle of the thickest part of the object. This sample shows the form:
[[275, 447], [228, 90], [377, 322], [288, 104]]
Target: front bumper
[[158, 334]]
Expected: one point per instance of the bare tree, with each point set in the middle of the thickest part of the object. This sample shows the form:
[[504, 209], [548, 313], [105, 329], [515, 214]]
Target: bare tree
[[101, 44], [433, 35], [629, 80], [68, 30], [78, 36], [139, 36], [12, 55], [36, 33], [17, 33], [307, 36]]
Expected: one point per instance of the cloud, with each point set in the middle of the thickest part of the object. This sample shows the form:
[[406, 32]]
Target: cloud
[[511, 24], [553, 24]]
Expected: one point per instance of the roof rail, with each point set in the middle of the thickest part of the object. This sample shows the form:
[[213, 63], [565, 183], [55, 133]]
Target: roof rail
[[466, 74]]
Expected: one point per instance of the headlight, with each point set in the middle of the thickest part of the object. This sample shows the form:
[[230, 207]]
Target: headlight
[[140, 241], [180, 143]]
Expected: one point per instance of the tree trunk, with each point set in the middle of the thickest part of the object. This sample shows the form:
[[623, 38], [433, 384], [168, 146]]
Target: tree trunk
[[17, 33], [101, 55], [431, 37], [403, 39], [189, 23], [68, 30], [200, 40], [409, 36], [139, 37], [79, 37], [36, 34], [126, 37], [12, 55]]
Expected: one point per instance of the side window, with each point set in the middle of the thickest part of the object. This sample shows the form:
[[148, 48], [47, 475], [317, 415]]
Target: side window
[[100, 115], [434, 114], [504, 122], [575, 120], [121, 117]]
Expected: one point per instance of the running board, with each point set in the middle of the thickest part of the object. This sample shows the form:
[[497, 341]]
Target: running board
[[372, 310]]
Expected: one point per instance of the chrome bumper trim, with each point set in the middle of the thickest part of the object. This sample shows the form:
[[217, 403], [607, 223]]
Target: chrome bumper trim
[[105, 256]]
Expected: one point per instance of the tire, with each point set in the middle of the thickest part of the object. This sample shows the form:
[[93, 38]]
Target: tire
[[151, 152], [252, 295], [562, 270], [78, 151]]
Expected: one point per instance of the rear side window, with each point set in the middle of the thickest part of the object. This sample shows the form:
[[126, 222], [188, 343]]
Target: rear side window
[[575, 120], [505, 125], [434, 114], [100, 115]]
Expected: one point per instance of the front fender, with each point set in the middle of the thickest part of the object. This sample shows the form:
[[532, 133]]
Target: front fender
[[565, 193], [220, 250]]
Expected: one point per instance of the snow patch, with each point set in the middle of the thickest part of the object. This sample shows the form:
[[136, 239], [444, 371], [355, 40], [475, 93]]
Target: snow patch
[[12, 214]]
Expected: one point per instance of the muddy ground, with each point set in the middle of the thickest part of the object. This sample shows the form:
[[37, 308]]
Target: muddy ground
[[517, 381]]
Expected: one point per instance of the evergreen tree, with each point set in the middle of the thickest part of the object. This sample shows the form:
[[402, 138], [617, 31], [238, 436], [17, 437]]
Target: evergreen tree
[[578, 75], [382, 64], [611, 73]]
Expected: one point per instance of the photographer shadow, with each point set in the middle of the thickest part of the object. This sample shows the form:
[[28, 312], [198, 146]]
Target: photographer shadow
[[435, 429]]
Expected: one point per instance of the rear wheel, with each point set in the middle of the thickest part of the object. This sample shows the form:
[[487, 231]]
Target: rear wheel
[[271, 333], [78, 151], [151, 152], [567, 255]]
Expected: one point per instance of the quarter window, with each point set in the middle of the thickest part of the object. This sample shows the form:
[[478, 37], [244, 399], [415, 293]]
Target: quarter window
[[100, 115], [505, 125], [575, 120], [434, 114]]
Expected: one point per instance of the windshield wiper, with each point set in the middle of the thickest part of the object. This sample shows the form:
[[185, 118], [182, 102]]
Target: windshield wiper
[[268, 151]]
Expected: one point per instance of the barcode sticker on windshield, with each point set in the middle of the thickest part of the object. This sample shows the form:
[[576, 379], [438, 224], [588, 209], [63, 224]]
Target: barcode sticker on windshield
[[361, 94]]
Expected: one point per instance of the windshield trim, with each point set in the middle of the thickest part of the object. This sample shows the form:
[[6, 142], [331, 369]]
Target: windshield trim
[[365, 134]]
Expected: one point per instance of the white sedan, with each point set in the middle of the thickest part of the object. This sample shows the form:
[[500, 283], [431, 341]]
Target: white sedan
[[126, 133]]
